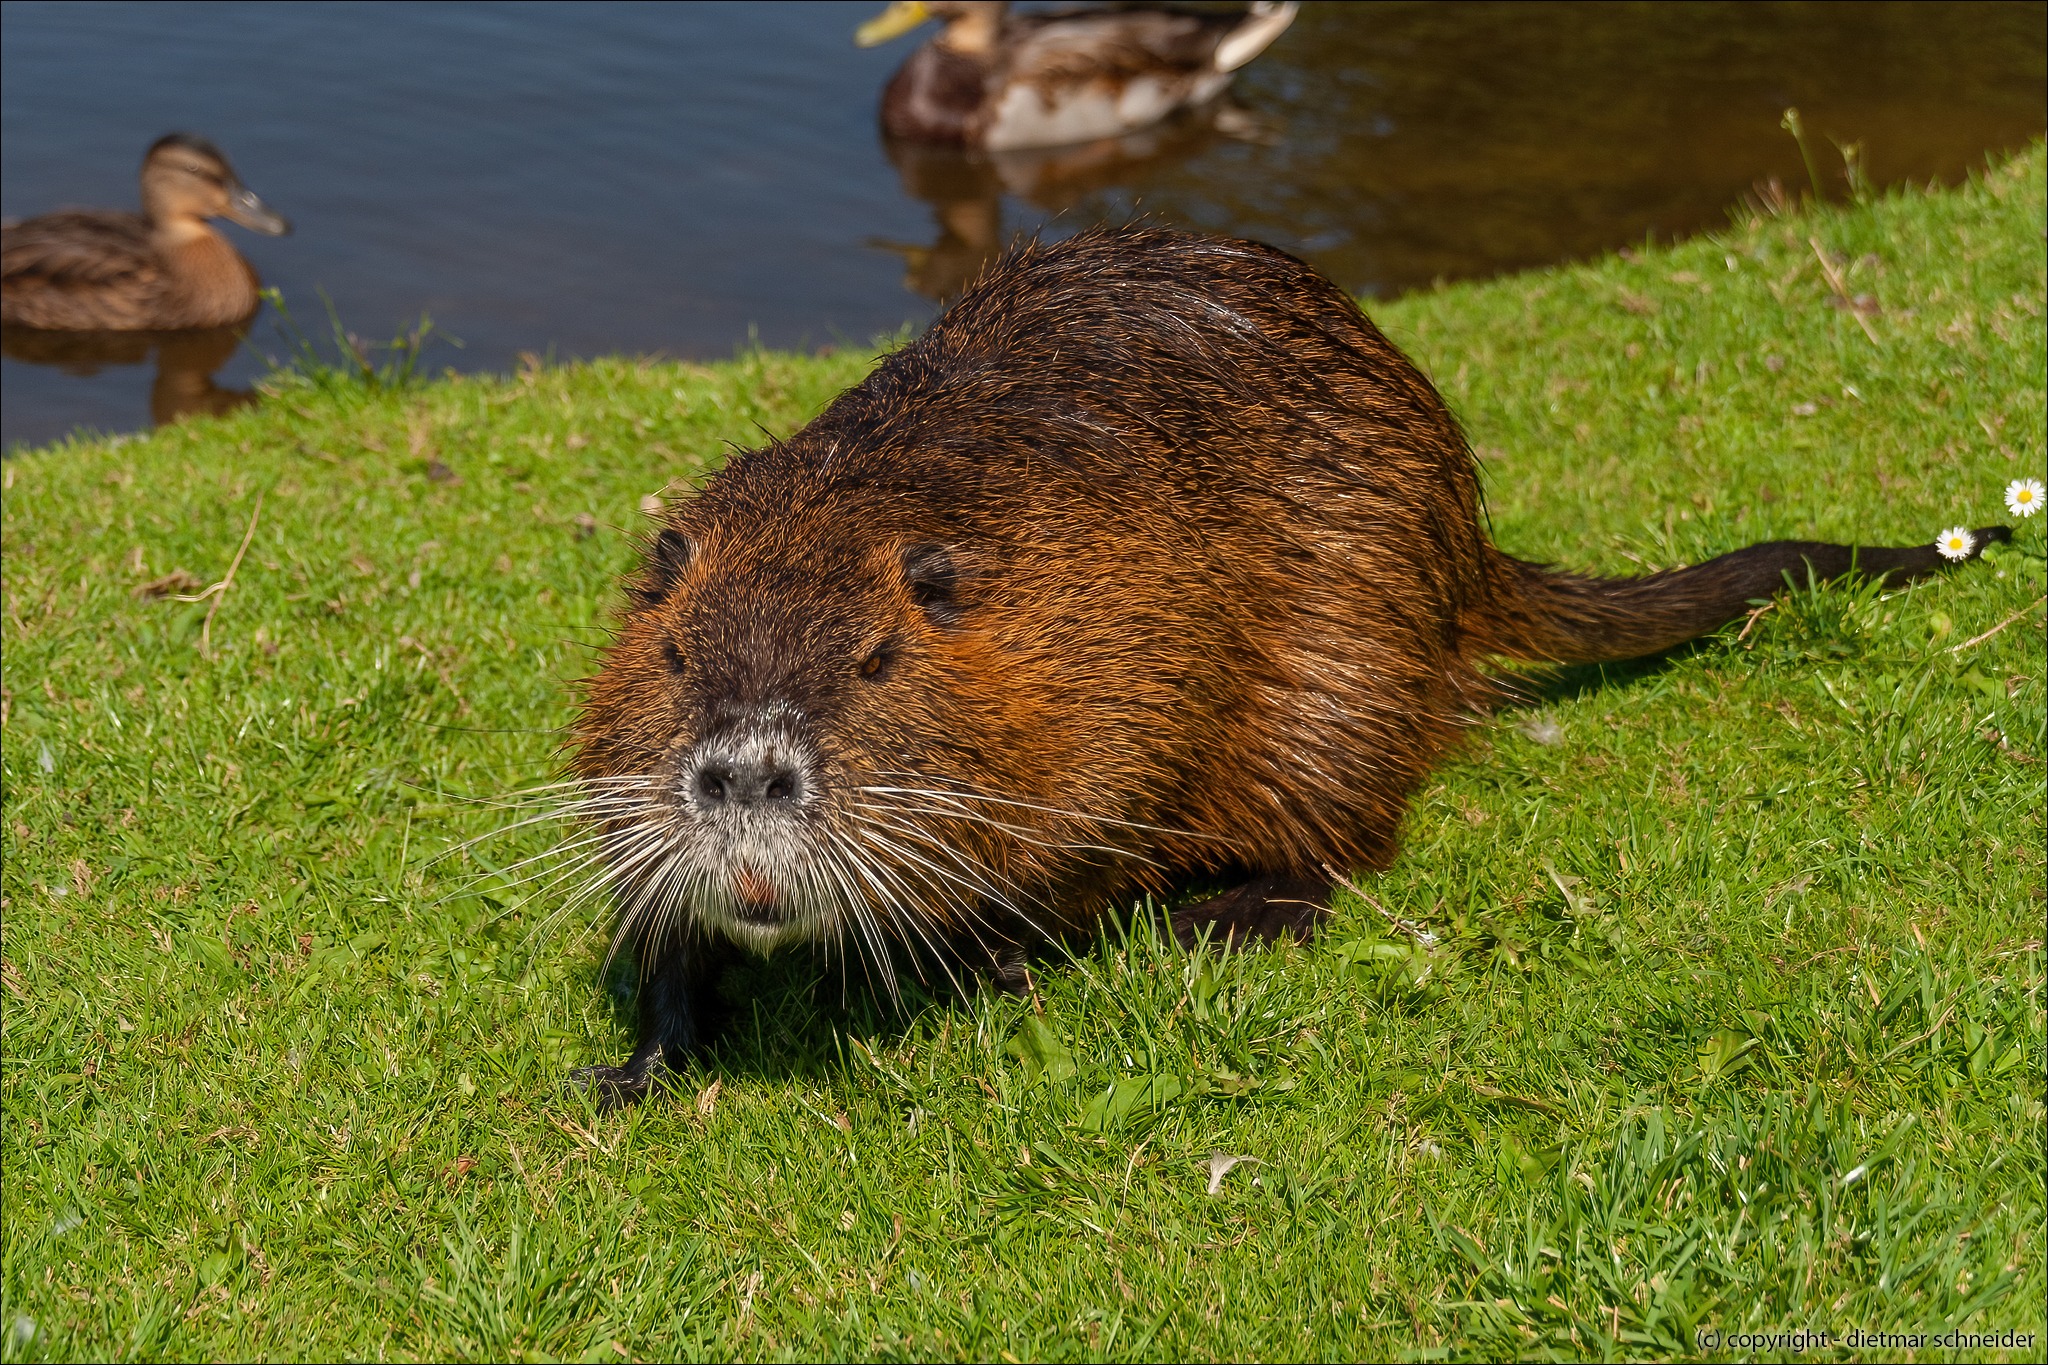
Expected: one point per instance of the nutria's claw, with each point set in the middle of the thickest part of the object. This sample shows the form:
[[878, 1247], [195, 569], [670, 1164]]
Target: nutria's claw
[[615, 1087]]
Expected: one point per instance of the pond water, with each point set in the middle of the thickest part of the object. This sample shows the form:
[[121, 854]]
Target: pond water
[[572, 180]]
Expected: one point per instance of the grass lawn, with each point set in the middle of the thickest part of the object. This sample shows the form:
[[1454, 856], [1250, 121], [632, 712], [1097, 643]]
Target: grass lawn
[[1706, 995]]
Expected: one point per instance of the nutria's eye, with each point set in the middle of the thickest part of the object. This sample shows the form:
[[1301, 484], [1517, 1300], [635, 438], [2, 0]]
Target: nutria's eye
[[876, 664], [934, 582], [672, 656], [668, 558]]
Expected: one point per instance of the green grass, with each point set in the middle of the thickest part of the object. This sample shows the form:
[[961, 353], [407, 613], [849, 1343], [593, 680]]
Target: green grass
[[1729, 1012]]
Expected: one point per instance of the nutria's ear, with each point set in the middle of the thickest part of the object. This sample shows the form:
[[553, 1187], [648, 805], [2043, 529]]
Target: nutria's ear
[[934, 581], [667, 559]]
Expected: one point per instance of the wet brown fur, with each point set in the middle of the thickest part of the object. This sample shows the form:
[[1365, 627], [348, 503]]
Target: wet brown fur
[[1155, 536]]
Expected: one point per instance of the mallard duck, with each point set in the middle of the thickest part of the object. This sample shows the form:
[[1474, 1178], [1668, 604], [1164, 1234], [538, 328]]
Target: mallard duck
[[163, 269], [998, 81]]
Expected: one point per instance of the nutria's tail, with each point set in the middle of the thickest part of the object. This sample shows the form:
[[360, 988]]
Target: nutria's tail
[[1563, 618]]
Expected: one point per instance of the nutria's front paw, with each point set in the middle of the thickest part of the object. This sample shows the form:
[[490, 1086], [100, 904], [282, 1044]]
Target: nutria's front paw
[[1265, 909], [1010, 970], [615, 1087]]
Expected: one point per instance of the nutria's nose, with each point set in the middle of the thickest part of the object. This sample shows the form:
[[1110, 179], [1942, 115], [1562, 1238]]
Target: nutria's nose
[[749, 780]]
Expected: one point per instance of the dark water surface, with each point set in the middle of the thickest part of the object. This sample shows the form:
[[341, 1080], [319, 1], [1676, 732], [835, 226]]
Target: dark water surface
[[591, 178]]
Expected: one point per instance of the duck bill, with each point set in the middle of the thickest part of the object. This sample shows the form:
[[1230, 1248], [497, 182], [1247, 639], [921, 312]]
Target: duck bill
[[893, 22], [252, 213]]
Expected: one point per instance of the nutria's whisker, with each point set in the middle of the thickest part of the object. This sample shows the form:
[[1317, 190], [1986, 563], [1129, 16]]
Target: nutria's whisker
[[956, 812], [616, 861], [856, 951], [870, 933], [846, 865], [591, 884], [626, 841], [889, 845], [826, 890], [498, 800], [469, 884], [907, 909], [551, 856], [969, 909], [972, 918], [553, 879], [979, 882], [844, 859], [900, 861], [566, 784], [884, 814], [883, 876], [564, 815], [466, 845], [943, 902], [640, 746], [831, 869], [657, 895], [1083, 816], [634, 914], [1022, 833], [579, 808]]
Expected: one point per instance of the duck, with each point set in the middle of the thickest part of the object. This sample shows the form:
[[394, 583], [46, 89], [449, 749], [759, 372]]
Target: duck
[[165, 269], [996, 81]]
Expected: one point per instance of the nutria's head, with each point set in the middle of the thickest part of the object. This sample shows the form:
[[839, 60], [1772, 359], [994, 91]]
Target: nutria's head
[[777, 748]]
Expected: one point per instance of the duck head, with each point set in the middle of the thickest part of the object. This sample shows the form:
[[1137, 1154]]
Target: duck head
[[186, 179], [972, 26]]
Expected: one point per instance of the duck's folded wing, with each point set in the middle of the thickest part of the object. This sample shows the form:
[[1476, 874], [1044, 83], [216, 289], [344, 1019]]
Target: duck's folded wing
[[78, 249], [1078, 78], [1117, 45], [1132, 43]]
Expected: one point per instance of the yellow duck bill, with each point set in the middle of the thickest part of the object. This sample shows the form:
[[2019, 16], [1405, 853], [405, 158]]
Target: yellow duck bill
[[893, 22]]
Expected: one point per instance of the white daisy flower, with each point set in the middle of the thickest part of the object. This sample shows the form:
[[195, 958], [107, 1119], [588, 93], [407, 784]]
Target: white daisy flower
[[1955, 543], [2023, 497]]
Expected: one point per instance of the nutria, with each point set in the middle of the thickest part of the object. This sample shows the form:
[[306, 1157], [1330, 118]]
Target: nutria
[[1151, 565]]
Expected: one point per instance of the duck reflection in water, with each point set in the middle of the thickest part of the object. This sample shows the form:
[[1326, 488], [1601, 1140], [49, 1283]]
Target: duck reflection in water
[[965, 187], [186, 362]]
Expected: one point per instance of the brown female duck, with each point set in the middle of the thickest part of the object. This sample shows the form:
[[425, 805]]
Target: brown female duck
[[996, 80], [164, 269]]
